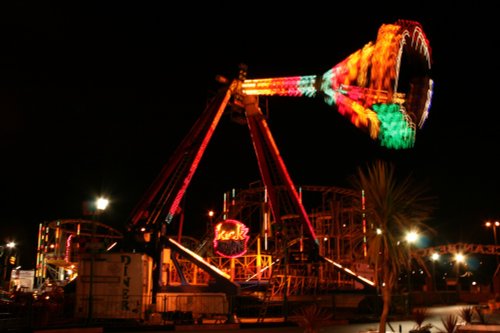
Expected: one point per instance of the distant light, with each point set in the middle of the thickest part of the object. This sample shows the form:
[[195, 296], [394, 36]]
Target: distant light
[[111, 246], [221, 79], [459, 257], [11, 245], [411, 237], [102, 203], [211, 213], [435, 256], [489, 224], [379, 231]]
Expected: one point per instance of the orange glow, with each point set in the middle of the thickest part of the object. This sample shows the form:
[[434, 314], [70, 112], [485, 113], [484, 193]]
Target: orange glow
[[369, 80], [231, 238], [237, 231]]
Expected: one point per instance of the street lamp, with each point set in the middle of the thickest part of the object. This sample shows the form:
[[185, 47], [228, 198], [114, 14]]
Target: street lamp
[[411, 237], [434, 257], [459, 258], [211, 214], [5, 273], [494, 226], [101, 205]]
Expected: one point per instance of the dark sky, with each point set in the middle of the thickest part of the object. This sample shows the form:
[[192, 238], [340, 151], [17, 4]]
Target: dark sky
[[94, 99]]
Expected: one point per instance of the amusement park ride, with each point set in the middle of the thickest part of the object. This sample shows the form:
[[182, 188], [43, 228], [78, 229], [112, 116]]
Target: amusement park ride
[[265, 235]]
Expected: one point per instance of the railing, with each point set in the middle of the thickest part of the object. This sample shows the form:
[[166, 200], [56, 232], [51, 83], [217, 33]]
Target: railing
[[242, 269], [112, 306], [246, 267]]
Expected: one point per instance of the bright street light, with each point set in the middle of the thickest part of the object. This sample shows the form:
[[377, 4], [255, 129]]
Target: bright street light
[[102, 203], [411, 237], [211, 214], [459, 258], [493, 226], [434, 257], [6, 263]]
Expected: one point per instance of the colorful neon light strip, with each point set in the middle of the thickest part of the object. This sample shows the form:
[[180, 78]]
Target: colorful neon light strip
[[364, 86]]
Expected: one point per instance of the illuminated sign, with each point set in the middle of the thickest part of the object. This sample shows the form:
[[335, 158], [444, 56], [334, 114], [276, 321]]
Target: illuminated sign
[[231, 239]]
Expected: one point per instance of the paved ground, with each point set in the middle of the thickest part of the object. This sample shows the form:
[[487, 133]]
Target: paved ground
[[277, 325]]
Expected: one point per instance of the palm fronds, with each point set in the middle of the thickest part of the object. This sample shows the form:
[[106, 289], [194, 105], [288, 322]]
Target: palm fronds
[[312, 317], [449, 323]]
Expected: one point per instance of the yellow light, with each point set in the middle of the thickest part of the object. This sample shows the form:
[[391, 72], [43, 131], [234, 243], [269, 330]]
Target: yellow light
[[411, 237], [459, 257], [102, 203], [491, 224]]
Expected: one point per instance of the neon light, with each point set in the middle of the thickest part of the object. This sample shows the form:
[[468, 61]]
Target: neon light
[[67, 257], [196, 160], [266, 219], [348, 271], [231, 238], [365, 86], [200, 259], [288, 180], [237, 234], [363, 208], [282, 86], [224, 206], [397, 130]]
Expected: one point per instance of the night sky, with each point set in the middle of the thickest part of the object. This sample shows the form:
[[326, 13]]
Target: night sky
[[94, 99]]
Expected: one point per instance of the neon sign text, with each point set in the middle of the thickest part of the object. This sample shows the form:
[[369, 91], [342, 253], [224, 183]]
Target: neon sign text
[[231, 237]]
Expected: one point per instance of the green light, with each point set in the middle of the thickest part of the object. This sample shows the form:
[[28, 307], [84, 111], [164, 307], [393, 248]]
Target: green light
[[396, 129], [306, 85]]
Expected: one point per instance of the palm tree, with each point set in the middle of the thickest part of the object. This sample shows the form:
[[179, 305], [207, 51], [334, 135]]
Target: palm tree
[[393, 206]]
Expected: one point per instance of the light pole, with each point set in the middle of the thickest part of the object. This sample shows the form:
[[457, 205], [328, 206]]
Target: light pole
[[459, 258], [434, 257], [494, 226], [211, 214], [411, 237], [5, 276], [101, 205]]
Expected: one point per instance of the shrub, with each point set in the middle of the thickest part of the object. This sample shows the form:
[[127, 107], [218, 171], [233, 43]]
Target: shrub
[[312, 317], [449, 323], [480, 314], [419, 317], [466, 314]]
